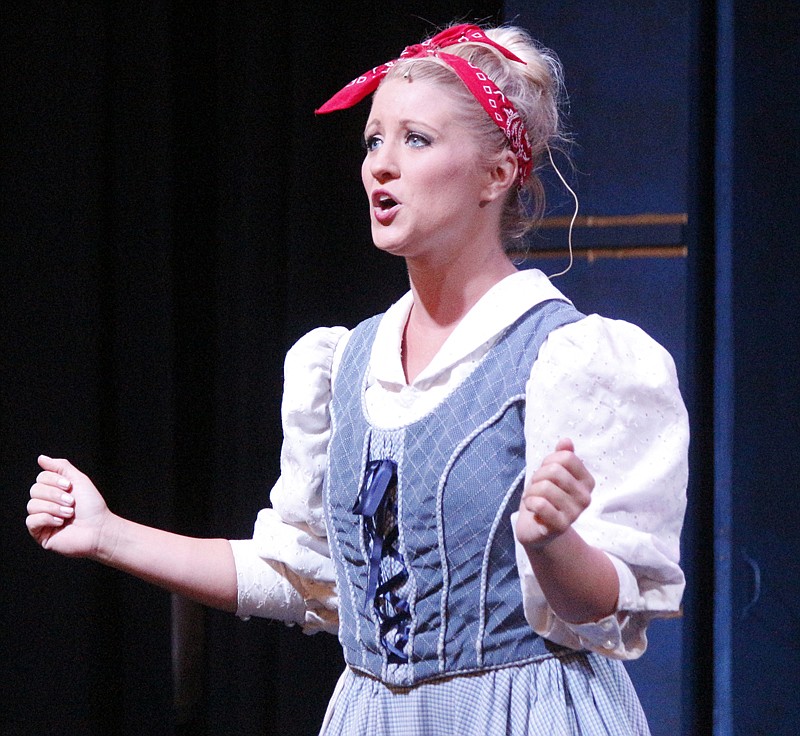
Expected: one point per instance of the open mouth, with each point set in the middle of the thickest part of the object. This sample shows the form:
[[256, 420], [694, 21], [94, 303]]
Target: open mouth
[[384, 207], [384, 202]]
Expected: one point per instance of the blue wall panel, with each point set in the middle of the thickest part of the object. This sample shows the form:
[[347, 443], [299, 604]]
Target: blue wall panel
[[626, 70], [765, 314]]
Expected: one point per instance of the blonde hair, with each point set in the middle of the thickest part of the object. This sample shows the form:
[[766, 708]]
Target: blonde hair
[[536, 90]]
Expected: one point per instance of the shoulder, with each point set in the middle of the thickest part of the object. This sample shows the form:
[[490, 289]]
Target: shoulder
[[308, 371], [607, 380], [612, 348], [314, 350]]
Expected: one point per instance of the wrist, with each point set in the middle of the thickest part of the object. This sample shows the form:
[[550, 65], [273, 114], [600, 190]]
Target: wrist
[[551, 546], [578, 580], [108, 539]]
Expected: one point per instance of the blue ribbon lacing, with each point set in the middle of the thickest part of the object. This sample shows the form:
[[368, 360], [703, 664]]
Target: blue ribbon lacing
[[393, 611]]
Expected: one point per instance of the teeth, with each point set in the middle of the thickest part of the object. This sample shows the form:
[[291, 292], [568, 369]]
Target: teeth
[[386, 202]]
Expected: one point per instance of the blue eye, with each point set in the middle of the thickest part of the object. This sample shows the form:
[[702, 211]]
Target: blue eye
[[372, 142], [416, 140]]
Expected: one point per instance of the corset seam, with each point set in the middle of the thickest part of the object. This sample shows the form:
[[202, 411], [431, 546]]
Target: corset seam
[[485, 564]]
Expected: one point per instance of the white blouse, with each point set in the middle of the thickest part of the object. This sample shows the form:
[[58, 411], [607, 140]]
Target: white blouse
[[603, 383]]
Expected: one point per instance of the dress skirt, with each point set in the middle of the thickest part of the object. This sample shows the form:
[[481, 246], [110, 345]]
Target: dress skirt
[[578, 694]]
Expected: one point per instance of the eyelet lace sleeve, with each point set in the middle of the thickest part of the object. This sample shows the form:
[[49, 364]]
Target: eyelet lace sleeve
[[285, 571]]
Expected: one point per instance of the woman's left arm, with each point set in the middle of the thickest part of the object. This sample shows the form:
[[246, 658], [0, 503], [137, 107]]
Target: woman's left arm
[[598, 531]]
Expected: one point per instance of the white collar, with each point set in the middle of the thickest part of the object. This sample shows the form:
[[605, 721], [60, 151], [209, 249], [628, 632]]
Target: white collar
[[506, 301]]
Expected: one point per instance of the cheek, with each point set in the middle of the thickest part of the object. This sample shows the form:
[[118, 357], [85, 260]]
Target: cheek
[[365, 176], [457, 188]]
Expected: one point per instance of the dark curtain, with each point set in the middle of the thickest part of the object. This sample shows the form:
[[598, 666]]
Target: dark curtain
[[173, 218]]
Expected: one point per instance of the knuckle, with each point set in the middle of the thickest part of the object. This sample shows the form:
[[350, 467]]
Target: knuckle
[[529, 502], [34, 522], [551, 488]]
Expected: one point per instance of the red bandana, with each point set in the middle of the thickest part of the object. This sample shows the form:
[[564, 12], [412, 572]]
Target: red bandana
[[485, 91]]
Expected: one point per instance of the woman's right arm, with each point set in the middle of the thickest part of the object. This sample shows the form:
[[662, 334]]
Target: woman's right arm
[[67, 514], [284, 572]]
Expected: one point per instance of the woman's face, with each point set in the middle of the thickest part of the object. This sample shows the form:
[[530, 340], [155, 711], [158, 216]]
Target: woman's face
[[423, 172]]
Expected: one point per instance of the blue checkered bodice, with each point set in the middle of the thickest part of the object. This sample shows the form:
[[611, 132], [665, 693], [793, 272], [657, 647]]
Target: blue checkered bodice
[[459, 475]]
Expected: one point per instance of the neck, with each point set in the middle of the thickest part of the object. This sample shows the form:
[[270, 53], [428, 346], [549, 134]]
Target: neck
[[443, 295]]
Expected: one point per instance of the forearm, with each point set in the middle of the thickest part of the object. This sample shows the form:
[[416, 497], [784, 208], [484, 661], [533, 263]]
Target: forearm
[[200, 569], [579, 581]]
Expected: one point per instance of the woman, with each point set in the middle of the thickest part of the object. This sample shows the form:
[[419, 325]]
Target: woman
[[482, 491]]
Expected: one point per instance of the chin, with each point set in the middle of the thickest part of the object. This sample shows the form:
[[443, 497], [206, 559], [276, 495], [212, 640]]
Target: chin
[[392, 245]]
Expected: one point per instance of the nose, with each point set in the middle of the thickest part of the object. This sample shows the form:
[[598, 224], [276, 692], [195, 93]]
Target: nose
[[382, 163]]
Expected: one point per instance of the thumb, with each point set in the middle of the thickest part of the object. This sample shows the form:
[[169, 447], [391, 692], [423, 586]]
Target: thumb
[[60, 466], [565, 443]]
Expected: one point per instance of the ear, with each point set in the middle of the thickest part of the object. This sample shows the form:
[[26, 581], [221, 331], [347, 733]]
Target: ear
[[502, 175]]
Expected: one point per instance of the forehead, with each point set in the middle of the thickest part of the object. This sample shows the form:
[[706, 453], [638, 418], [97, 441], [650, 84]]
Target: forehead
[[414, 99]]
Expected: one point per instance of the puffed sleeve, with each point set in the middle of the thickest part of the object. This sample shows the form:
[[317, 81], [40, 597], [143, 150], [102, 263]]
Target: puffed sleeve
[[285, 571], [614, 391]]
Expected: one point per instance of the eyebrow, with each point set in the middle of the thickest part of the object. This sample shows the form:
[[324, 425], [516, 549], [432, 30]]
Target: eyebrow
[[408, 123]]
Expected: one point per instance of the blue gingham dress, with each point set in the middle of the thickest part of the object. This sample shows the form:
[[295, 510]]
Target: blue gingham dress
[[482, 679]]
